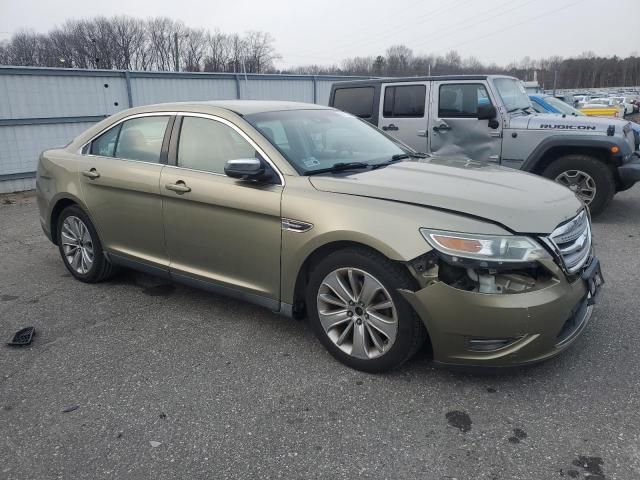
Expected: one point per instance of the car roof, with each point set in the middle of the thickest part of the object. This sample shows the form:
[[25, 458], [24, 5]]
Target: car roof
[[240, 107], [373, 81]]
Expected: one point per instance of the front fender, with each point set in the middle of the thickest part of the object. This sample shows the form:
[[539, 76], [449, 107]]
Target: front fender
[[579, 141]]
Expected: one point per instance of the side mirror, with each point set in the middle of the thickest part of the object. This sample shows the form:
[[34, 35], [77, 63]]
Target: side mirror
[[487, 112], [245, 169]]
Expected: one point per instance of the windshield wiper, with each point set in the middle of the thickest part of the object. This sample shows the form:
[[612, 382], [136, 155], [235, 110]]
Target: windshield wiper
[[339, 167], [398, 157]]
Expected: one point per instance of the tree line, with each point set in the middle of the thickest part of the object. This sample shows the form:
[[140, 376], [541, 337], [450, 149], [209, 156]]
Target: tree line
[[127, 43], [586, 71]]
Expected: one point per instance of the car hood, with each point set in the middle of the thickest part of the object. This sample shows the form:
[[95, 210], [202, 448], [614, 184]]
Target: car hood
[[568, 123], [520, 201]]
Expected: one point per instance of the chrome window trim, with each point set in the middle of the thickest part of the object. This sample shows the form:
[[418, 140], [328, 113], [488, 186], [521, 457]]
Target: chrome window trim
[[183, 114], [105, 130], [237, 129]]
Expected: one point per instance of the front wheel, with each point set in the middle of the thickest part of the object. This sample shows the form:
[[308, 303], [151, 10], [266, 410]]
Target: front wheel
[[358, 314], [588, 177]]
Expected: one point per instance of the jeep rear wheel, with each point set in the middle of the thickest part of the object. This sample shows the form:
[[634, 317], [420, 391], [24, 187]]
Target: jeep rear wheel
[[588, 177]]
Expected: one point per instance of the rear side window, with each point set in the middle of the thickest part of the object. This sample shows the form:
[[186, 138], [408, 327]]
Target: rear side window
[[357, 101], [141, 139], [105, 144], [404, 101], [461, 100]]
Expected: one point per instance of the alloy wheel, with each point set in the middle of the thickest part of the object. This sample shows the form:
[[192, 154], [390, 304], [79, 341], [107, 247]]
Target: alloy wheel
[[357, 313], [77, 244], [580, 182]]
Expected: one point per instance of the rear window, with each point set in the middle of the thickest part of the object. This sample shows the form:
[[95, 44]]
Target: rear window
[[404, 101], [356, 101]]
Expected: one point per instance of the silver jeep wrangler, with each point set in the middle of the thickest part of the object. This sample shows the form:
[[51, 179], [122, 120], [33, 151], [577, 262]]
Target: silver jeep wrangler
[[490, 118]]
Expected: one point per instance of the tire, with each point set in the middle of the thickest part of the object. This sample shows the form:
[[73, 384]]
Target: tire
[[86, 261], [366, 266], [573, 166]]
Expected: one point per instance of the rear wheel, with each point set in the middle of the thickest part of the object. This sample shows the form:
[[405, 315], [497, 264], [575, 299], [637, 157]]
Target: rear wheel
[[588, 177], [358, 314], [80, 247]]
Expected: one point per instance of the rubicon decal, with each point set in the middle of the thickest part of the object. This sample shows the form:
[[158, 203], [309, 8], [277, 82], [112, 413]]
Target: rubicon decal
[[568, 127]]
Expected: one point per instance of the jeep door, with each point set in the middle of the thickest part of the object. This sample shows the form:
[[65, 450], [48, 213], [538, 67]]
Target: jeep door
[[120, 176], [220, 232], [403, 112], [454, 127]]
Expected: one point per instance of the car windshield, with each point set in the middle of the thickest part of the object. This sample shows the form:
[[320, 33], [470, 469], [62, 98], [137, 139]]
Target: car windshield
[[513, 94], [318, 139], [562, 107]]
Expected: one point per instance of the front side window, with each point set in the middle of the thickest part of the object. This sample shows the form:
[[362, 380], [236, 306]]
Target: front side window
[[404, 101], [461, 100], [207, 145], [315, 139], [141, 139], [357, 101]]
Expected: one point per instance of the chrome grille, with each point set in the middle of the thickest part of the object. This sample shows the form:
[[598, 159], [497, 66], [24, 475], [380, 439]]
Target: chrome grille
[[572, 242]]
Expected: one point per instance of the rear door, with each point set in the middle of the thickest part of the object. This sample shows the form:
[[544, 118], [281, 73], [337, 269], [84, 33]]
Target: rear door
[[403, 112], [454, 128], [120, 178]]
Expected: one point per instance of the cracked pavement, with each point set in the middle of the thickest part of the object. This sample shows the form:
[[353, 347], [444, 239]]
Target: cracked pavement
[[171, 382]]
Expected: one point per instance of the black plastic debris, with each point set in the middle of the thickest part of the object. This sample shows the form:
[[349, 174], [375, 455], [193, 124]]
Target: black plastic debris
[[71, 408], [22, 337]]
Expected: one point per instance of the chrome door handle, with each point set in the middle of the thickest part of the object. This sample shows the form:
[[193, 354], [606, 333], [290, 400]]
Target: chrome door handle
[[422, 133], [443, 127], [178, 187], [391, 127], [91, 174]]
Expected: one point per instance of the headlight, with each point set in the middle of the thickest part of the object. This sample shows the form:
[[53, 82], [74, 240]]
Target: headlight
[[491, 248]]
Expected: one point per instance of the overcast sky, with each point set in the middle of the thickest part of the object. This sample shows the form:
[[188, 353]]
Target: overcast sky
[[326, 31]]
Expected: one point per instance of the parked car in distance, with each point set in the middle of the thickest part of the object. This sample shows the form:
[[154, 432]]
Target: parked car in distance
[[489, 118], [567, 98], [603, 107], [627, 103], [308, 210], [550, 104]]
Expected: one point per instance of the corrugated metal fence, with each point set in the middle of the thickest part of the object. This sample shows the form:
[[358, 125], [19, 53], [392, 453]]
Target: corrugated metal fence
[[43, 108]]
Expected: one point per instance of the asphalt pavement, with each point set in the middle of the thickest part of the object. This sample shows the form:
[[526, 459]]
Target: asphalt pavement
[[138, 379]]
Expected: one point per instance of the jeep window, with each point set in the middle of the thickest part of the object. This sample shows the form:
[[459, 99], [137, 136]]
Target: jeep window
[[404, 101], [513, 94], [357, 101], [315, 139], [461, 100]]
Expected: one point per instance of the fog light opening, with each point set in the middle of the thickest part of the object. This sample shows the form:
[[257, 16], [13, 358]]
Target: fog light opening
[[489, 344]]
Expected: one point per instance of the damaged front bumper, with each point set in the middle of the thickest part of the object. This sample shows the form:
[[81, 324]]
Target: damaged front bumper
[[480, 329]]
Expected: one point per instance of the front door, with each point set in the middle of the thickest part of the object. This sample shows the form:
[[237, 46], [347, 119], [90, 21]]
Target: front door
[[403, 112], [120, 175], [220, 230], [454, 128]]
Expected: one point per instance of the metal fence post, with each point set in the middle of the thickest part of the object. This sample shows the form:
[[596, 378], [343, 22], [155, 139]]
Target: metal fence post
[[127, 78], [237, 77], [315, 89]]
